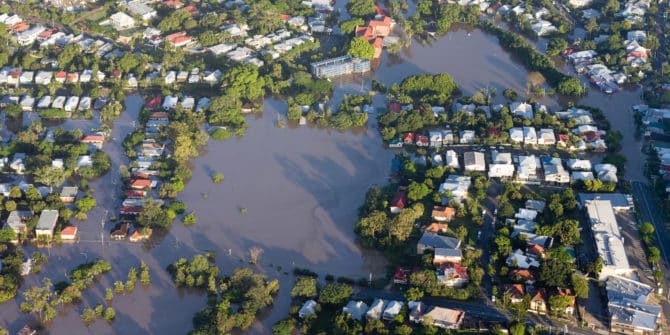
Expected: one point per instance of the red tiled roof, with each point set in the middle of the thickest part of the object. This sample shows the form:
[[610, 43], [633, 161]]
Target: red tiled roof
[[394, 107], [69, 231], [93, 139], [408, 138], [399, 200], [19, 27], [158, 115], [61, 74], [437, 227], [180, 40], [173, 4], [538, 294], [140, 183], [523, 274], [515, 290], [285, 17], [441, 211], [422, 139], [135, 194], [154, 102], [534, 249]]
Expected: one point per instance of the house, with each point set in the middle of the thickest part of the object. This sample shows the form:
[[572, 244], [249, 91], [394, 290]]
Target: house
[[43, 77], [69, 194], [443, 213], [467, 136], [501, 170], [84, 161], [307, 309], [606, 172], [452, 275], [437, 227], [17, 221], [431, 241], [529, 136], [442, 317], [566, 292], [26, 77], [455, 187], [18, 163], [525, 276], [581, 176], [554, 172], [27, 330], [140, 184], [538, 301], [521, 109], [120, 231], [501, 157], [69, 233], [178, 39], [520, 260], [95, 141], [474, 161], [27, 103], [393, 309], [579, 164], [140, 235], [628, 307], [44, 102], [452, 159], [139, 8], [398, 202], [516, 292], [446, 255], [59, 102], [526, 214], [121, 21], [376, 309], [546, 137], [422, 140], [527, 168], [71, 104], [356, 309], [46, 223], [170, 102], [435, 139]]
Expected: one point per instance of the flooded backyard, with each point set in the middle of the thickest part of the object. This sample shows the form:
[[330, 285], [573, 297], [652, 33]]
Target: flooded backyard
[[301, 188]]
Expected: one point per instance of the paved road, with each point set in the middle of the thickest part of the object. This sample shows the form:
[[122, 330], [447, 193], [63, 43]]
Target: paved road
[[647, 204], [483, 309]]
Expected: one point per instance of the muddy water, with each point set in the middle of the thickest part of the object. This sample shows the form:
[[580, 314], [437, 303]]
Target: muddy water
[[300, 188]]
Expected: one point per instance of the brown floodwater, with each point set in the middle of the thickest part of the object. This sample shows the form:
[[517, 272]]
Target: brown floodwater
[[300, 187]]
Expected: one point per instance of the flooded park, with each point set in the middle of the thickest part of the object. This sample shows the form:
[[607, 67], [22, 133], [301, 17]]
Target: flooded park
[[300, 188]]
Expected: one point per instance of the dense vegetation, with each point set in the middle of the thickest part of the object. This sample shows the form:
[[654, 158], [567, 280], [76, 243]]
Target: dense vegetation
[[244, 288]]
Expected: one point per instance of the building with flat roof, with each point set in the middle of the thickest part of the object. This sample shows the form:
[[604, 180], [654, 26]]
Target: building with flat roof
[[609, 242], [339, 66], [628, 307], [620, 202]]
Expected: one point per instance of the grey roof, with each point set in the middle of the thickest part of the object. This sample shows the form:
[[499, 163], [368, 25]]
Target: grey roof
[[537, 205], [639, 316], [47, 220], [446, 252], [69, 191], [619, 288], [356, 309], [618, 200], [16, 219], [439, 241]]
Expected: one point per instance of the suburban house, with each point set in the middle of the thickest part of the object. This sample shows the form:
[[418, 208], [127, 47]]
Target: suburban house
[[442, 317], [516, 134], [521, 109], [120, 231], [520, 260], [516, 292], [629, 308], [17, 220], [443, 213], [376, 309], [579, 164], [140, 235], [122, 21], [455, 187], [554, 171], [401, 276], [446, 255], [69, 194], [356, 309], [139, 8], [140, 184], [431, 241], [501, 170], [546, 137], [525, 276], [437, 227], [538, 301], [529, 136], [606, 172], [452, 159], [307, 309], [467, 136], [46, 223], [95, 141], [393, 308], [398, 202], [474, 161], [179, 39], [527, 168], [69, 233], [566, 292], [452, 275]]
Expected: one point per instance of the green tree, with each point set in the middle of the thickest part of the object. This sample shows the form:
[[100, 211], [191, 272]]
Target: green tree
[[417, 191], [517, 328], [88, 316], [190, 219], [349, 26], [555, 272], [50, 176], [304, 287], [37, 300], [414, 294], [556, 45], [335, 293], [361, 8], [646, 229], [653, 255], [145, 276], [243, 81], [153, 215], [361, 48], [558, 304], [110, 314], [7, 234], [284, 327], [86, 204], [580, 285], [571, 86]]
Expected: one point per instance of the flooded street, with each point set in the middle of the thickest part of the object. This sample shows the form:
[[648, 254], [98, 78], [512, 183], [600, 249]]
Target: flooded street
[[300, 187]]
